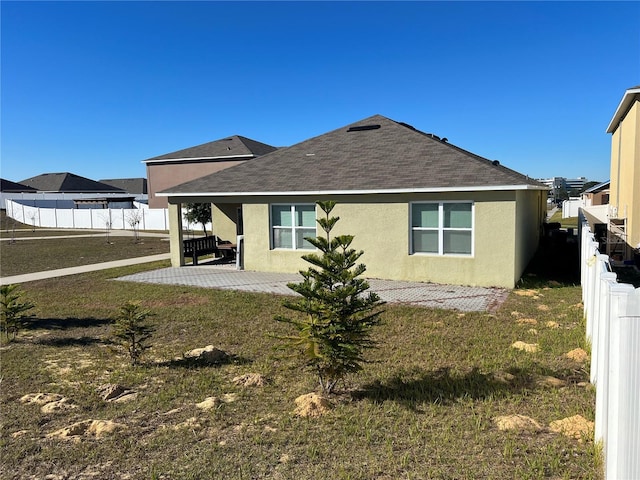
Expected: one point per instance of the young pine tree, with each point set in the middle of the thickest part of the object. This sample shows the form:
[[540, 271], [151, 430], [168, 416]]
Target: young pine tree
[[337, 311], [13, 311], [132, 330]]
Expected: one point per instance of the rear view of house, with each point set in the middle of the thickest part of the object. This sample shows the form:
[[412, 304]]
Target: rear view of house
[[421, 208]]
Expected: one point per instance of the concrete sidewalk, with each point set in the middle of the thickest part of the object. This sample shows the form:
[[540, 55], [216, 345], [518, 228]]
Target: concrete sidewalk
[[61, 272], [451, 297]]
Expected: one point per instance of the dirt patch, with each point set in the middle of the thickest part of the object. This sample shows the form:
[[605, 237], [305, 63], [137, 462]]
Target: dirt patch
[[543, 308], [250, 380], [576, 427], [527, 321], [577, 355], [87, 428], [526, 347], [518, 423], [551, 324], [311, 405], [528, 292]]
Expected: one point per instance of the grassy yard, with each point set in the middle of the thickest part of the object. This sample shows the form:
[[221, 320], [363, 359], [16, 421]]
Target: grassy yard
[[31, 255], [425, 407], [570, 222]]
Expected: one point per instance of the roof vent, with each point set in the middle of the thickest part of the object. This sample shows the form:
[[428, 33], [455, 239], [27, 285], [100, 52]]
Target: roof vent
[[445, 139], [433, 136], [496, 162], [407, 125], [363, 127]]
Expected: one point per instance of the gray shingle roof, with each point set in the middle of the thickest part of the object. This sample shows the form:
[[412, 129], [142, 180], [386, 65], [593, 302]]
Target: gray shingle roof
[[68, 182], [374, 154], [135, 186], [9, 186], [235, 145]]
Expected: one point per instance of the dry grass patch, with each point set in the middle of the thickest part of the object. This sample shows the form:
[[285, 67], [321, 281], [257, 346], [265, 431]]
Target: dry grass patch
[[423, 407]]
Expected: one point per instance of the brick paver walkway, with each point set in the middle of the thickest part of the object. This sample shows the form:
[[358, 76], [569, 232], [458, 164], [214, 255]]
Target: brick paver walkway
[[466, 299]]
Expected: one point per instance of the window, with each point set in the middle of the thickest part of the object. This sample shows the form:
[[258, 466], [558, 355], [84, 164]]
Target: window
[[444, 228], [290, 224]]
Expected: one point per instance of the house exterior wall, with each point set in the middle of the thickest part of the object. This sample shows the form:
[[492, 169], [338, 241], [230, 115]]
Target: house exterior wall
[[505, 236], [224, 220], [161, 176], [531, 210], [625, 173]]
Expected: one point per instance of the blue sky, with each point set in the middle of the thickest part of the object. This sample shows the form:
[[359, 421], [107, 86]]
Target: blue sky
[[94, 88]]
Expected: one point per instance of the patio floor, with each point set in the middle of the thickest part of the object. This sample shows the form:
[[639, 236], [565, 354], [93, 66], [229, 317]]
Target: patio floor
[[452, 297]]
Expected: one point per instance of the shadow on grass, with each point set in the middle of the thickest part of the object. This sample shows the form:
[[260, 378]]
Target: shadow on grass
[[195, 363], [64, 323], [442, 387], [439, 386], [83, 341]]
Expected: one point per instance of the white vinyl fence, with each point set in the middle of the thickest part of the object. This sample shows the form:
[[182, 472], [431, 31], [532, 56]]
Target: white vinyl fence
[[612, 312], [142, 218]]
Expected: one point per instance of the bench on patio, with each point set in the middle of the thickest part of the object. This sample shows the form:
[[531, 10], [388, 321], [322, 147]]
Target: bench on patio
[[195, 247]]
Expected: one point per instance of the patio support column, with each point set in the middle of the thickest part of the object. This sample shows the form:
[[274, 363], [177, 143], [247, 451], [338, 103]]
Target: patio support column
[[175, 234]]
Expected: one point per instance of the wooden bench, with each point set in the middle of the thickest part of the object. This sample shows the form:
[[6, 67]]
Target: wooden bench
[[194, 247]]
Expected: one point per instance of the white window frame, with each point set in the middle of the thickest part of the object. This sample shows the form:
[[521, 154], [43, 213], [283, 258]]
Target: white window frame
[[293, 228], [441, 228]]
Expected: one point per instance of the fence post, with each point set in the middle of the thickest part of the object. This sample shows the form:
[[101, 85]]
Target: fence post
[[621, 352]]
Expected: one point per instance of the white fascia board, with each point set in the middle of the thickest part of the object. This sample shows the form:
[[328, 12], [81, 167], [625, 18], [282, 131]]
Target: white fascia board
[[228, 157], [501, 188], [623, 108]]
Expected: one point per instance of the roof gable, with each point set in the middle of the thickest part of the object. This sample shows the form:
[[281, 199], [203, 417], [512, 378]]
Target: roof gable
[[374, 154], [234, 146], [68, 182], [631, 96]]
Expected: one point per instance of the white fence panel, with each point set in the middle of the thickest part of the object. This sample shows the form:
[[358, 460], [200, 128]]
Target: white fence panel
[[612, 312], [65, 218]]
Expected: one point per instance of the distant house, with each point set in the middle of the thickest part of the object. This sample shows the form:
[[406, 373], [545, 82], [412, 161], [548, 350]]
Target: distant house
[[13, 187], [597, 195], [174, 168], [624, 197], [133, 186], [420, 208], [66, 182]]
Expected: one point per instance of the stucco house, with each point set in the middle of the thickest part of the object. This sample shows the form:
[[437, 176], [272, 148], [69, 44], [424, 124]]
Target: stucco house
[[174, 168], [421, 208], [624, 196]]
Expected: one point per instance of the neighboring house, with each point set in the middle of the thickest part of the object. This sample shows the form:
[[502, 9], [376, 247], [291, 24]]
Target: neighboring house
[[174, 168], [68, 183], [624, 198], [13, 187], [59, 190], [133, 186], [596, 195], [421, 208]]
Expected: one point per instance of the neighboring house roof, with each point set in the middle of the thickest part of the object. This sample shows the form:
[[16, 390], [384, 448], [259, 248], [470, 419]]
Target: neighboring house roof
[[631, 96], [225, 148], [599, 187], [137, 186], [374, 155], [68, 182], [9, 186]]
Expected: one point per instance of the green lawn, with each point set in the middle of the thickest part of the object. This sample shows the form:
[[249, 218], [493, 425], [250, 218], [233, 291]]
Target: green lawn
[[424, 407]]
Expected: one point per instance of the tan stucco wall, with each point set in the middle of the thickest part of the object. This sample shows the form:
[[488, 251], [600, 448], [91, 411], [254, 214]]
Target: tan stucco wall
[[530, 214], [175, 235], [224, 218], [161, 176], [625, 172], [381, 228]]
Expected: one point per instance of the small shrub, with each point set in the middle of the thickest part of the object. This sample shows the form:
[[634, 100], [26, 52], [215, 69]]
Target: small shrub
[[132, 330], [13, 311], [337, 315]]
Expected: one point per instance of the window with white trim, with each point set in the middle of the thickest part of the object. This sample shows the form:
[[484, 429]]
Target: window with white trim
[[290, 224], [442, 228]]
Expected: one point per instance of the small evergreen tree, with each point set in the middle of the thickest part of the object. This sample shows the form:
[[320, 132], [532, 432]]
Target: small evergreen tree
[[13, 311], [337, 314], [198, 213], [132, 330]]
